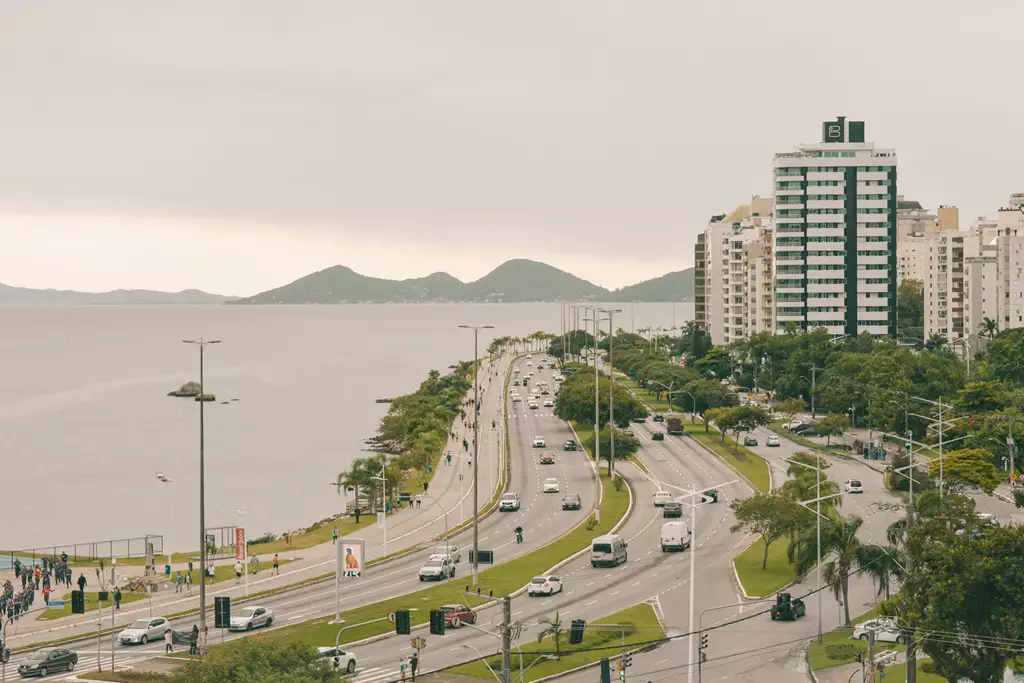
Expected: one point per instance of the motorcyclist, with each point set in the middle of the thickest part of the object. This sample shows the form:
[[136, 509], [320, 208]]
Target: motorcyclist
[[519, 534], [493, 423]]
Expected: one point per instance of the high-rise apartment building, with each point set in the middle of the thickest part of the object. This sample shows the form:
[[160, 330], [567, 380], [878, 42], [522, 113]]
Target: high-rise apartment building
[[835, 234], [700, 282], [943, 268]]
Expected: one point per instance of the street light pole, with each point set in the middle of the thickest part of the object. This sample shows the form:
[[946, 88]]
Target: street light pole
[[597, 421], [476, 446], [611, 388], [202, 344]]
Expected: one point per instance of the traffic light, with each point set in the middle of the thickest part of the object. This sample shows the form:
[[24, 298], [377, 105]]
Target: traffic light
[[436, 622], [703, 641], [606, 671], [402, 625], [221, 612], [77, 602], [621, 669], [627, 660], [576, 631]]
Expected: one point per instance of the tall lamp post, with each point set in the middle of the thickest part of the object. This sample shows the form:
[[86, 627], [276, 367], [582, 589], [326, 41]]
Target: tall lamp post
[[611, 387], [202, 344], [476, 445], [592, 317]]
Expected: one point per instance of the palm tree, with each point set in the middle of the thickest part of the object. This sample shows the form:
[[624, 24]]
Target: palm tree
[[882, 565], [989, 328], [552, 626], [840, 550], [355, 477], [896, 533]]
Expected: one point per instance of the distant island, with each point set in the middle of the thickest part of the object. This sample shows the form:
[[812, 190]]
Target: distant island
[[124, 297], [516, 281]]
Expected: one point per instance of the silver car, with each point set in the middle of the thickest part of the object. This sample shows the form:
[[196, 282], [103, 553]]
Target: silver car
[[141, 631], [450, 551], [437, 570], [249, 618]]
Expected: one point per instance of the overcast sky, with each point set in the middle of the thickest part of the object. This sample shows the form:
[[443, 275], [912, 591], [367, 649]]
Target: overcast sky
[[236, 146]]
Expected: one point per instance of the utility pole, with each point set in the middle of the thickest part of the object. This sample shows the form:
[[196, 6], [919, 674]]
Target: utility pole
[[871, 657], [506, 639]]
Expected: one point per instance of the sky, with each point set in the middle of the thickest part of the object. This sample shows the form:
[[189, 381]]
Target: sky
[[234, 146]]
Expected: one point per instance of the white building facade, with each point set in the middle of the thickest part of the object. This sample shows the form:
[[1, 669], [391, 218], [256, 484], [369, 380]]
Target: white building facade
[[835, 234]]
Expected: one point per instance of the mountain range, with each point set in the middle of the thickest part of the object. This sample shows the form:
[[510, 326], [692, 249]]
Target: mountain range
[[515, 281], [57, 297]]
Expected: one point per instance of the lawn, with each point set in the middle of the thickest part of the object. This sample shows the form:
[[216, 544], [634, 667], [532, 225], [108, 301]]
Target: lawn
[[90, 604], [499, 580], [644, 395], [777, 573], [641, 617], [817, 655], [749, 464], [583, 430]]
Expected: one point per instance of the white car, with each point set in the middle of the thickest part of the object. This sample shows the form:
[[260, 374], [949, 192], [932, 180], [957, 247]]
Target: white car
[[853, 486], [516, 370], [558, 378], [551, 485], [442, 552], [529, 363], [141, 631], [886, 631], [548, 403], [249, 618], [792, 424], [344, 661], [509, 502], [437, 570], [661, 497], [516, 398], [772, 441], [538, 442], [544, 585]]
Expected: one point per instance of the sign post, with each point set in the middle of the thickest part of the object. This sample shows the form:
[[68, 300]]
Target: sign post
[[348, 564], [240, 555]]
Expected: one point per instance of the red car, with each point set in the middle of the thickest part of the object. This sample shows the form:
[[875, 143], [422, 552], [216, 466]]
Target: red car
[[547, 459], [455, 615]]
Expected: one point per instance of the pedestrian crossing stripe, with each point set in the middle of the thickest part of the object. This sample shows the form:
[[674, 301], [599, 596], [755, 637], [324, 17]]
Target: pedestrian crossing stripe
[[376, 674]]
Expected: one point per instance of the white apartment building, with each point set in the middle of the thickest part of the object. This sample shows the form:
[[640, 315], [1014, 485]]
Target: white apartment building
[[914, 225], [731, 269], [835, 234], [1010, 264], [942, 265]]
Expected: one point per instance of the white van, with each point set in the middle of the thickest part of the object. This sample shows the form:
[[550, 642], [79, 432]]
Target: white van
[[675, 536], [608, 551]]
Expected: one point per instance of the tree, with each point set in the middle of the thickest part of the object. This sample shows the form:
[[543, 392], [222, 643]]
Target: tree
[[1004, 356], [840, 553], [714, 415], [883, 565], [965, 470], [625, 444], [803, 485], [935, 341], [552, 627], [791, 407], [575, 401], [267, 661], [704, 394], [833, 424], [742, 419], [770, 515], [988, 328], [910, 307], [716, 363]]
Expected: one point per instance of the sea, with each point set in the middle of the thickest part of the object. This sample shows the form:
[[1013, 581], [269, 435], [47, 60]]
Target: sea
[[88, 434]]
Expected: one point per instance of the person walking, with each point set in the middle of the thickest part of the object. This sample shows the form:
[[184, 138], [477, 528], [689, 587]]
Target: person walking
[[238, 572], [46, 596], [277, 565], [193, 641], [117, 598], [334, 536], [358, 512], [414, 661], [82, 582], [168, 642], [188, 583], [179, 583], [255, 564], [401, 668], [37, 574]]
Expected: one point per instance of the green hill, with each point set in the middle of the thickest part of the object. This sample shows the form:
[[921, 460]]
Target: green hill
[[674, 286], [515, 281]]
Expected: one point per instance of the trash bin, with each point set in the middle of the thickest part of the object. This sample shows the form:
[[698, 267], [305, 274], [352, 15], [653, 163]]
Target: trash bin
[[167, 570]]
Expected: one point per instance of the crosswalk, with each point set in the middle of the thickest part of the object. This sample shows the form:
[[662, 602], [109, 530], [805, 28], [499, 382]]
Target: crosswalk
[[532, 413], [378, 675]]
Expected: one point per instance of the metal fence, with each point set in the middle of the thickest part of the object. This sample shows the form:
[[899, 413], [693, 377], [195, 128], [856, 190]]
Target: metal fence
[[78, 552]]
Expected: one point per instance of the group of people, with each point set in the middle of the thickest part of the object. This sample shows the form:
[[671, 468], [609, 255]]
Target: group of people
[[255, 562], [35, 577]]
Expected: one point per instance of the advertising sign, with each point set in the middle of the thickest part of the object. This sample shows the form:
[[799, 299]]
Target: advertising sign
[[240, 544], [350, 557]]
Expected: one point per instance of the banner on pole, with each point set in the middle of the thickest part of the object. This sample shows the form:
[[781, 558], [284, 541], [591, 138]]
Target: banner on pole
[[350, 557], [240, 544]]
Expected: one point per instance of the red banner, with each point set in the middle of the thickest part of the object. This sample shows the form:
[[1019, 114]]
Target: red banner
[[239, 543]]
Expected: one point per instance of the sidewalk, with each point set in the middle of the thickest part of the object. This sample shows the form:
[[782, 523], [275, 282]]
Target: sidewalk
[[407, 527]]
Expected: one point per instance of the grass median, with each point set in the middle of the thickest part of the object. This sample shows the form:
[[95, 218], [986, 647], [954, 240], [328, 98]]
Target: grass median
[[834, 449], [645, 395], [778, 572], [90, 605], [749, 464], [641, 619], [501, 580]]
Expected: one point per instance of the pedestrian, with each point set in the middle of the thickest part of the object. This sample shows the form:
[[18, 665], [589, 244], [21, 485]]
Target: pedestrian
[[277, 565], [169, 642], [334, 536], [238, 572], [255, 564], [117, 598], [288, 537], [179, 583], [46, 596], [401, 668], [17, 568], [357, 515], [64, 557], [193, 641], [470, 460], [37, 573], [24, 578], [211, 572], [188, 583], [414, 661], [82, 582]]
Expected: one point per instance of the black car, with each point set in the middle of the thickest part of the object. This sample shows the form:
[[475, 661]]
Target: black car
[[712, 494], [659, 418], [571, 501], [671, 509], [48, 660], [658, 436], [570, 445]]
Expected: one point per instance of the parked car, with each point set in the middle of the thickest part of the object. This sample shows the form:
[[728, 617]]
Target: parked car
[[853, 486], [456, 615], [750, 440], [249, 618], [344, 661], [661, 497], [672, 509], [658, 417], [772, 442], [141, 631], [547, 459], [437, 570], [571, 501], [544, 585], [450, 551], [570, 445], [509, 502], [886, 631], [551, 485], [539, 442], [44, 662]]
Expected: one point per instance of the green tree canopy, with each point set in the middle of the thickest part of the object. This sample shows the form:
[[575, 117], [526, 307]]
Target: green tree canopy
[[968, 469], [770, 515], [270, 660], [575, 401], [833, 424]]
